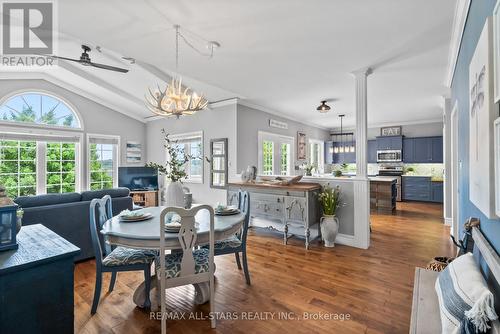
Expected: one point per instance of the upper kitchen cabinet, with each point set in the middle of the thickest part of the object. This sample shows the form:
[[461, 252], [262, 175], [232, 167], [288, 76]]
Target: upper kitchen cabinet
[[372, 151], [390, 143], [423, 150]]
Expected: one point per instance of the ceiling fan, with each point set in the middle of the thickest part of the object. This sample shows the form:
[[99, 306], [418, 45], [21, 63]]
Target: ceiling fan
[[85, 60]]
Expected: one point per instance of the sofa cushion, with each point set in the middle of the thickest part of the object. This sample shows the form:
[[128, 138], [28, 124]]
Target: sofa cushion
[[115, 192], [48, 199]]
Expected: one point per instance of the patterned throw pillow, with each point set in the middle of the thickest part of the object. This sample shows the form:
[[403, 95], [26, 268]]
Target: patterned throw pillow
[[466, 305]]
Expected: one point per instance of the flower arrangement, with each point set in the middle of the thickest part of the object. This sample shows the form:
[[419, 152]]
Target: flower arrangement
[[173, 169], [308, 168], [329, 199]]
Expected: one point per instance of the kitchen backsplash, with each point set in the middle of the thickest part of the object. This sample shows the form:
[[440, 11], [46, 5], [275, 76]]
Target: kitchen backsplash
[[434, 170]]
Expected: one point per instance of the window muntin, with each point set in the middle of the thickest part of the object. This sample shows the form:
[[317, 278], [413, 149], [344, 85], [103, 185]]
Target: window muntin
[[61, 167], [267, 157], [285, 159], [18, 170], [192, 145], [38, 108], [102, 166]]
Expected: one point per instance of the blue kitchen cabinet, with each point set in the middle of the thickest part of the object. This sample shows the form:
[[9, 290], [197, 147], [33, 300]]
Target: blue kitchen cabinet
[[423, 150], [416, 188], [329, 152], [437, 149], [409, 150], [390, 143], [372, 151], [437, 194]]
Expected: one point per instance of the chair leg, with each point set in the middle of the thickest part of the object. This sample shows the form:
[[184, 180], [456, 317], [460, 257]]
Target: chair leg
[[112, 282], [238, 263], [147, 283], [245, 266], [97, 291], [212, 301]]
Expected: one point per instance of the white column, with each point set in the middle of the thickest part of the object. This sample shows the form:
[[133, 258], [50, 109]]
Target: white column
[[446, 105], [360, 80], [361, 182]]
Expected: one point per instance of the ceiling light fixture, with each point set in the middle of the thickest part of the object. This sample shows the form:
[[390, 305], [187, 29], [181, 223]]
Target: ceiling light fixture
[[323, 107], [177, 100]]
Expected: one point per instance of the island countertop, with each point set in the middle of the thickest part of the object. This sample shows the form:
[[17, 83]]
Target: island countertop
[[382, 179], [300, 186]]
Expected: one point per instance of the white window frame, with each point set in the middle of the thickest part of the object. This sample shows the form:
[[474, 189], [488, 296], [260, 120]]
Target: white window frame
[[277, 140], [321, 158], [38, 135], [116, 156], [187, 136]]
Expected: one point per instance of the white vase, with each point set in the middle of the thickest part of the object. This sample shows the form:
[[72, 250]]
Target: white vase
[[174, 195], [329, 229]]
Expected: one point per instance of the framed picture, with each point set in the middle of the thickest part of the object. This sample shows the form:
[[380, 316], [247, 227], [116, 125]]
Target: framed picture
[[481, 118], [134, 152], [496, 50], [301, 146], [497, 166], [390, 131]]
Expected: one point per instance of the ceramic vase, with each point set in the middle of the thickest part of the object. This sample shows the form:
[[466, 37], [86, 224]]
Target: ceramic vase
[[175, 195], [329, 229]]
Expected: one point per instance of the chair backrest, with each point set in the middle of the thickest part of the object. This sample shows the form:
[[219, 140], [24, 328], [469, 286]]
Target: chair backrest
[[244, 206], [100, 211], [187, 238]]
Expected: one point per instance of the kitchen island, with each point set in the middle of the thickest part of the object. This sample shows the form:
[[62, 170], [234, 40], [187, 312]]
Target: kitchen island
[[289, 209], [383, 193]]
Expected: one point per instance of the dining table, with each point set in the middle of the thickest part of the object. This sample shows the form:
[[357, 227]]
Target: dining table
[[146, 235]]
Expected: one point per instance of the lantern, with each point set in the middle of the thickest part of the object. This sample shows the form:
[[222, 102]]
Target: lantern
[[8, 227]]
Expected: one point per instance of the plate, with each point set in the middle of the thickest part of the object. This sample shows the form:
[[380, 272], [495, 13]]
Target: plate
[[145, 216], [227, 212]]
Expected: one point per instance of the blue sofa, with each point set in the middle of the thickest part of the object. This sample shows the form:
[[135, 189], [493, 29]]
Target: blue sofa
[[68, 214]]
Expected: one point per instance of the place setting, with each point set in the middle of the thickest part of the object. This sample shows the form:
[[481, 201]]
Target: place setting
[[128, 216], [226, 210]]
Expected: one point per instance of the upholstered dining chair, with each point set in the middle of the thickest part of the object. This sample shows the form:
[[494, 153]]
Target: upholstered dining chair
[[116, 259], [238, 243], [188, 265]]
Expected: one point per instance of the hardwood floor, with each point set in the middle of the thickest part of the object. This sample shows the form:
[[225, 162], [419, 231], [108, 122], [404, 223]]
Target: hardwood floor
[[372, 287]]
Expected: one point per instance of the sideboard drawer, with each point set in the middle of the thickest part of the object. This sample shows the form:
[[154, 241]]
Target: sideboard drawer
[[296, 209], [268, 205]]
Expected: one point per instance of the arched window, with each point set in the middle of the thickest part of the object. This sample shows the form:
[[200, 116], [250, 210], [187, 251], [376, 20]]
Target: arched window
[[38, 108]]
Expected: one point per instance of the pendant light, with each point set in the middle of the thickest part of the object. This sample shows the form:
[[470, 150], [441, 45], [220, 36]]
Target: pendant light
[[353, 147], [341, 146]]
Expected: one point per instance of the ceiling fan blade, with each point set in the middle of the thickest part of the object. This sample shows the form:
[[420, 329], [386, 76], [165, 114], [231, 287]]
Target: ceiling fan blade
[[64, 58], [108, 67]]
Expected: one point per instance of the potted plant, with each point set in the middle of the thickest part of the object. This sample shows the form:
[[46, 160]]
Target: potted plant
[[173, 170], [308, 168], [329, 199]]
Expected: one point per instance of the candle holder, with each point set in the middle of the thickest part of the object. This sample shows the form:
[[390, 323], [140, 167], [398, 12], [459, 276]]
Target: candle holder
[[8, 227]]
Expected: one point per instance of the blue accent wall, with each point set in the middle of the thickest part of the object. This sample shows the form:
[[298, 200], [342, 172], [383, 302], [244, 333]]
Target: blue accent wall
[[479, 11]]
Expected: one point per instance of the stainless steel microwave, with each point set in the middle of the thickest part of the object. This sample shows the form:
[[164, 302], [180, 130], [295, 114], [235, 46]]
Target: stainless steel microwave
[[389, 156]]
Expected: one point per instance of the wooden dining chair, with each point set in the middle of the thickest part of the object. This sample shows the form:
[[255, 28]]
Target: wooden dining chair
[[188, 265], [238, 243], [117, 259]]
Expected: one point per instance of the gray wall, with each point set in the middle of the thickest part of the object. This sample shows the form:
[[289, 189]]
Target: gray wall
[[96, 118], [251, 121], [216, 123]]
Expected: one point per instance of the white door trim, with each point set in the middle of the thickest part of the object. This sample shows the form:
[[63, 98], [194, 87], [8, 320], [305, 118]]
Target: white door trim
[[455, 170]]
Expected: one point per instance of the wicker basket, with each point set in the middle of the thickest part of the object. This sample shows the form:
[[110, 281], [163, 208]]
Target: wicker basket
[[439, 263]]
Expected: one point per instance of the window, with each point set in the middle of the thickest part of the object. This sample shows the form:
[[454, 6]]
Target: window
[[18, 167], [61, 167], [38, 108], [34, 164], [316, 154], [192, 145], [103, 161], [275, 154], [218, 163]]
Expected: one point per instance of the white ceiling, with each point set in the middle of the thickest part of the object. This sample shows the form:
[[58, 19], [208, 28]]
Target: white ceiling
[[284, 55]]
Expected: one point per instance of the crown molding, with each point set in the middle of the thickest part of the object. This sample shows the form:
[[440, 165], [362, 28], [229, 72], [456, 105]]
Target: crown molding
[[461, 12], [249, 104]]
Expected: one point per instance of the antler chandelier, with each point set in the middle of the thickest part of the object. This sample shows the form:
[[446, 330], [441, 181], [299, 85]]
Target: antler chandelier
[[176, 100]]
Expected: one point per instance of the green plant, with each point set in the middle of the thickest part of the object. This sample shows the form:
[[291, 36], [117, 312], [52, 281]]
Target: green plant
[[337, 173], [344, 166], [329, 199], [174, 167], [309, 168], [410, 169]]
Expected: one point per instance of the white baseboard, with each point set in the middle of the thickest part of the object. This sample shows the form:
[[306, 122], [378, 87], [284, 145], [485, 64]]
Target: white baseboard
[[448, 221]]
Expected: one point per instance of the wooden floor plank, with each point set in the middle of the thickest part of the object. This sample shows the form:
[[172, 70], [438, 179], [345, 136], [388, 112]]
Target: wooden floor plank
[[373, 286]]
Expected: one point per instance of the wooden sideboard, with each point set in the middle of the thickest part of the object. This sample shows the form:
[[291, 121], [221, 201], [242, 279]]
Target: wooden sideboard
[[145, 198], [292, 210], [36, 283]]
